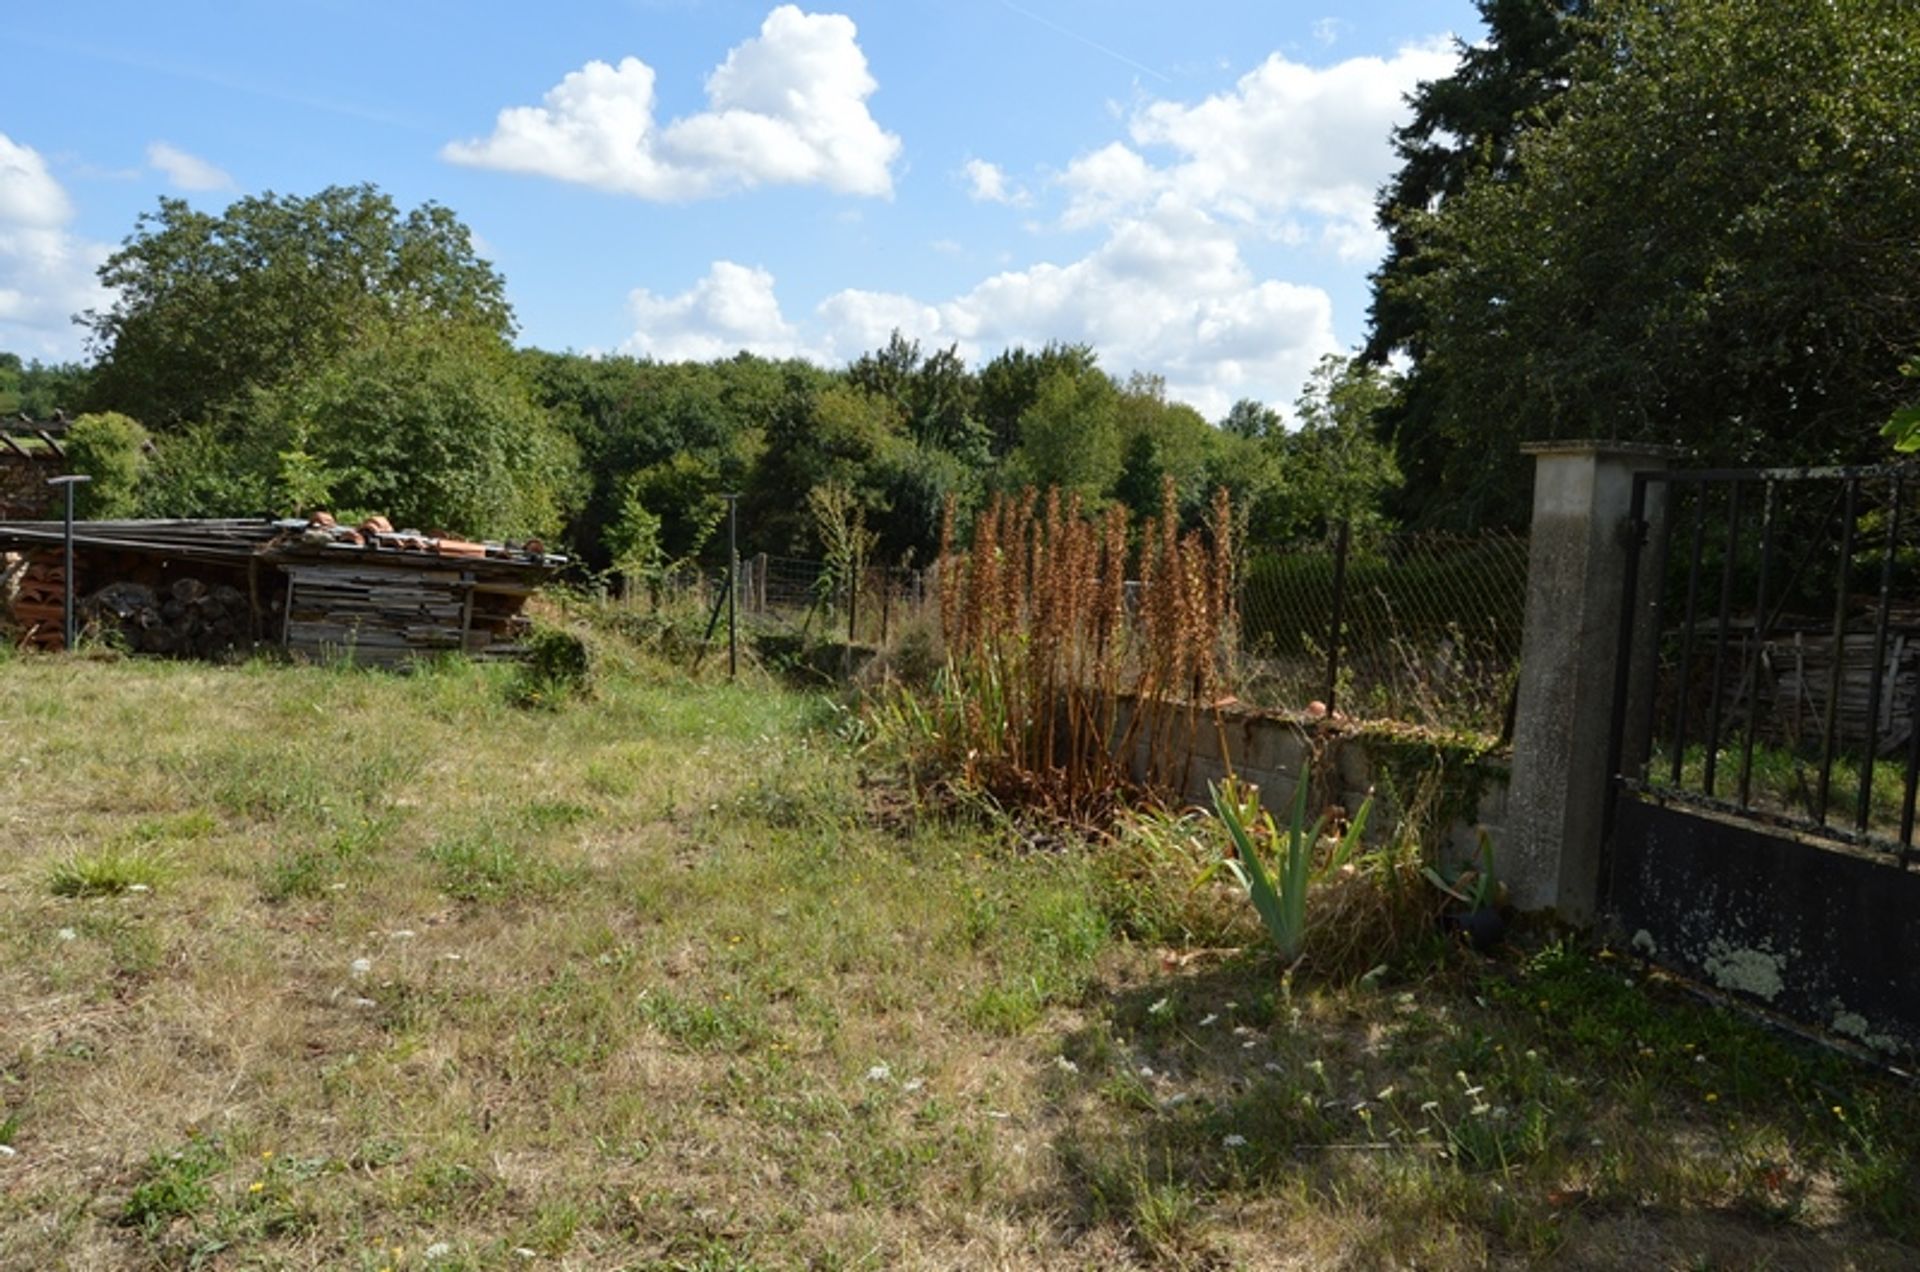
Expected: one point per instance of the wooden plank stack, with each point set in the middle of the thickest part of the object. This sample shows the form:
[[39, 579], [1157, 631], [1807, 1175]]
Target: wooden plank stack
[[372, 613], [1796, 679]]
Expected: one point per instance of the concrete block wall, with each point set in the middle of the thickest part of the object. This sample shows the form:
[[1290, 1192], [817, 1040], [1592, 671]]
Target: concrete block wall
[[1195, 748]]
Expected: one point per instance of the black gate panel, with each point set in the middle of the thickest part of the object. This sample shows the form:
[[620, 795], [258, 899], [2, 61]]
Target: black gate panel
[[1822, 935]]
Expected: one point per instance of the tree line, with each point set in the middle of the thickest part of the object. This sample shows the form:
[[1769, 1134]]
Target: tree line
[[1694, 224], [299, 352]]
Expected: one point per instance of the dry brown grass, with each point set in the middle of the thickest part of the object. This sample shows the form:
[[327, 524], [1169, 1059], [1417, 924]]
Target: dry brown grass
[[647, 987]]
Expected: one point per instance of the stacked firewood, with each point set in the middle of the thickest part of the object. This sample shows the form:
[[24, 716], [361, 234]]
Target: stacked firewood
[[39, 599], [187, 618]]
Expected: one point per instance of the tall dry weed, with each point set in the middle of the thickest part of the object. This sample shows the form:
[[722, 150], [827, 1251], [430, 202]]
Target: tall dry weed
[[1075, 648]]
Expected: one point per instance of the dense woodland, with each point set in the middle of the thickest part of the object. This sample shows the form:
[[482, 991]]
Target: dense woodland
[[1695, 224]]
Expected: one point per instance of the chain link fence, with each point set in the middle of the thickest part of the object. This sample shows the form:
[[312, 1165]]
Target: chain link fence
[[864, 607], [1418, 628], [1421, 629]]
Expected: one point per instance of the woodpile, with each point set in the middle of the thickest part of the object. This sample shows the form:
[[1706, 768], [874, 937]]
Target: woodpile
[[203, 588], [1796, 680], [186, 619], [383, 614], [39, 601]]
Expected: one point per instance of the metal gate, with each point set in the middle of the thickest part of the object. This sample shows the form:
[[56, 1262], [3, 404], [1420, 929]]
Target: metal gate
[[1764, 746]]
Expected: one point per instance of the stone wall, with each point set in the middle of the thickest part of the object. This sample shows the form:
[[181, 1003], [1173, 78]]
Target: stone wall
[[1466, 785]]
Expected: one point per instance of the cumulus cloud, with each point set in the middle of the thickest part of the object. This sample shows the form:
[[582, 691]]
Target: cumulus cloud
[[47, 273], [1168, 292], [787, 107], [1289, 143], [986, 183], [185, 171], [1289, 157], [731, 309]]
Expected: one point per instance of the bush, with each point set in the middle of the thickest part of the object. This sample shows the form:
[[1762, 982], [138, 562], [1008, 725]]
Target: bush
[[112, 450], [558, 667]]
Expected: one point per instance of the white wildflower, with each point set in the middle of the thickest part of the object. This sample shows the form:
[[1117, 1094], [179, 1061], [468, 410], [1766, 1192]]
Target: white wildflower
[[1146, 1070], [879, 1073], [8, 1150], [1430, 1106], [1208, 1019], [439, 1250], [402, 934], [360, 967], [1234, 1141], [1384, 1094], [913, 1084], [1272, 1067], [1065, 1065], [67, 934], [138, 887]]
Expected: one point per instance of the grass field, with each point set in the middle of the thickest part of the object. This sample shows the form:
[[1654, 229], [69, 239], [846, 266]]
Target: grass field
[[303, 967]]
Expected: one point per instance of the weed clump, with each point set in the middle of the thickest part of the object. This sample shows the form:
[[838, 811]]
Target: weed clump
[[1065, 685], [558, 668]]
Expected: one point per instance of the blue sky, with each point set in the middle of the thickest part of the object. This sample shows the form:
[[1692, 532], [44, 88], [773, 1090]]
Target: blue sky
[[1185, 186]]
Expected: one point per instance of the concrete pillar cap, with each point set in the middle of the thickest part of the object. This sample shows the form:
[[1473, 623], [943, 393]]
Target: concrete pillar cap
[[1593, 446]]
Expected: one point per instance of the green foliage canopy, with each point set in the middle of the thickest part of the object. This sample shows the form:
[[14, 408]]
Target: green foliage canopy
[[209, 308], [112, 450], [1714, 243]]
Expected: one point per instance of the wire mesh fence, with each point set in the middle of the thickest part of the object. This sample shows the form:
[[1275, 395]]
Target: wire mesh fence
[[1418, 628], [862, 607]]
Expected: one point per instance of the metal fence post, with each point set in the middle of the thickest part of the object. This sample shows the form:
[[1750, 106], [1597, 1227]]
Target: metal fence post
[[69, 635], [733, 584], [1339, 612]]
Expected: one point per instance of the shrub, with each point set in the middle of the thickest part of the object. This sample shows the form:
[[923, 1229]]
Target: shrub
[[112, 450], [558, 667]]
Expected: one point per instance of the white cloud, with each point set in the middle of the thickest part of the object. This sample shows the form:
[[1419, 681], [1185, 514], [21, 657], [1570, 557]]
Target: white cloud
[[1327, 31], [1107, 180], [1289, 158], [47, 273], [29, 196], [731, 309], [1289, 142], [185, 171], [787, 107], [986, 183], [1168, 292]]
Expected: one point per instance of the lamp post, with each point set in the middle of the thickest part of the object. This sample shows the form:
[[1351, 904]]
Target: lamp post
[[66, 588]]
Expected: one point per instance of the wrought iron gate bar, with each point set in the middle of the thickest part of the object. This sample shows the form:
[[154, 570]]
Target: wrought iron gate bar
[[1785, 722]]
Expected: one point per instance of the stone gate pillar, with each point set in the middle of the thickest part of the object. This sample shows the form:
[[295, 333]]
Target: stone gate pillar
[[1576, 584]]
